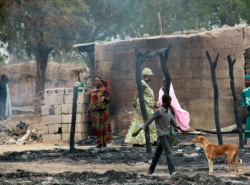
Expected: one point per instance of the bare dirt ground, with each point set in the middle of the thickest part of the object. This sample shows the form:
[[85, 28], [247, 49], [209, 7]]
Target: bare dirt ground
[[51, 163]]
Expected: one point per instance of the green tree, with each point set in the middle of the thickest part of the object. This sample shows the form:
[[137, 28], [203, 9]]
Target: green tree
[[107, 19], [38, 27], [184, 15]]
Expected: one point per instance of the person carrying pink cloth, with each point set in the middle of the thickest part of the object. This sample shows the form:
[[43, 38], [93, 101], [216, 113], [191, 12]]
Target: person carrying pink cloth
[[182, 117]]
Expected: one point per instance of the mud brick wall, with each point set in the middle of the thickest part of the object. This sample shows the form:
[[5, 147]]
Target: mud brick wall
[[190, 72], [57, 114], [22, 79]]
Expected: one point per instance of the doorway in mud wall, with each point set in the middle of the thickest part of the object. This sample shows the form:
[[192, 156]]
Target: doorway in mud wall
[[247, 61]]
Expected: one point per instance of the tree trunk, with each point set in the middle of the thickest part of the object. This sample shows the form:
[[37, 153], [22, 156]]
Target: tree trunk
[[216, 96], [223, 20], [92, 67], [236, 111], [41, 64]]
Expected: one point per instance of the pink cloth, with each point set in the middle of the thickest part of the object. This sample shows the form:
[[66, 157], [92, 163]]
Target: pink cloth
[[181, 116]]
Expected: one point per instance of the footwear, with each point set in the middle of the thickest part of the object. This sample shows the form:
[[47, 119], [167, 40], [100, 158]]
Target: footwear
[[155, 143], [105, 145], [153, 175], [99, 146], [172, 175]]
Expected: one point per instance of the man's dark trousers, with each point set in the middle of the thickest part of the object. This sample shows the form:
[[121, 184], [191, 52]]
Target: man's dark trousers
[[165, 143]]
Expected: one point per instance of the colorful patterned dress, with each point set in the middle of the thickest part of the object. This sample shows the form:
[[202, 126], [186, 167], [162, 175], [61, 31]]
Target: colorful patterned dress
[[137, 121], [245, 102], [100, 115]]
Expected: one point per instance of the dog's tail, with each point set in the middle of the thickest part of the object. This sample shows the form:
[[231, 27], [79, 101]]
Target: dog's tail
[[236, 157]]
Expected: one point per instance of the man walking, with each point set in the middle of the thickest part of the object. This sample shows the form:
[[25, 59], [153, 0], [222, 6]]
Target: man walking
[[163, 118]]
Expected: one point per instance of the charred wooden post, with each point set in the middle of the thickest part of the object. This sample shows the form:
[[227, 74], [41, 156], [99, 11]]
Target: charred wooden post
[[216, 96], [73, 119], [163, 59], [236, 111], [92, 67], [139, 59]]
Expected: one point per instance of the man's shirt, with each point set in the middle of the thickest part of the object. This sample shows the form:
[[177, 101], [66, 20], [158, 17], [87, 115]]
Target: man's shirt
[[163, 118]]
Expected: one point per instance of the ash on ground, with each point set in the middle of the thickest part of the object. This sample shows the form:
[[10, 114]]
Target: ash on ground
[[193, 161], [92, 140], [112, 177]]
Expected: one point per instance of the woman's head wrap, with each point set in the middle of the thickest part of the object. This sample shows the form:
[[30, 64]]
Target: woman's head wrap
[[104, 82], [164, 80], [147, 71], [247, 77], [4, 78]]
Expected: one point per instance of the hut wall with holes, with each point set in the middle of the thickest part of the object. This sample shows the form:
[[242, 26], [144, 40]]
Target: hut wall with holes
[[22, 79], [189, 69]]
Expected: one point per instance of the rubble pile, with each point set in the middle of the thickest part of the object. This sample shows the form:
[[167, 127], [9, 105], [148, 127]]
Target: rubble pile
[[19, 134]]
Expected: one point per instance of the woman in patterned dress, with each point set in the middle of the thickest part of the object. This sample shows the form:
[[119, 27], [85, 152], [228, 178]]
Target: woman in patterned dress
[[99, 108], [137, 121]]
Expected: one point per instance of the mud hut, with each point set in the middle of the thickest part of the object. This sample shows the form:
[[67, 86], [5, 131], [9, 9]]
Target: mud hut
[[189, 68], [22, 79]]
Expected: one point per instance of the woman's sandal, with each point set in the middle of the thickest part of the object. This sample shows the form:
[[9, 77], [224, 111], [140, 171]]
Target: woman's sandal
[[155, 143], [99, 146]]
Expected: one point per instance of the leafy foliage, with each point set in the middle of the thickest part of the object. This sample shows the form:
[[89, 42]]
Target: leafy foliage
[[31, 25], [185, 14]]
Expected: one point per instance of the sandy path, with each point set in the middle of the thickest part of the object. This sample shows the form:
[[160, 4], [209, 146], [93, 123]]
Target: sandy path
[[7, 167], [53, 168], [50, 167], [37, 146]]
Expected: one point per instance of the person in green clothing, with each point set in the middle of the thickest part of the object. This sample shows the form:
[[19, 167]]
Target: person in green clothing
[[245, 102], [138, 121]]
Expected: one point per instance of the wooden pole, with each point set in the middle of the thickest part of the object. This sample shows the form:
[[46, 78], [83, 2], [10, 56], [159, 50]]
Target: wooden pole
[[73, 119], [163, 59], [139, 59], [216, 96], [92, 67], [138, 62], [236, 111]]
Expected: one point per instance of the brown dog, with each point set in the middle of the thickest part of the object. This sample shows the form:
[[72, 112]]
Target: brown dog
[[213, 151]]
